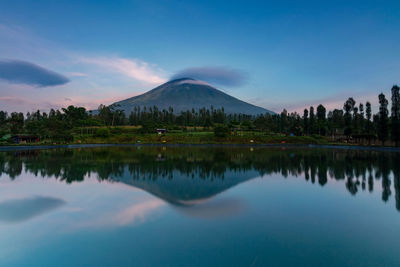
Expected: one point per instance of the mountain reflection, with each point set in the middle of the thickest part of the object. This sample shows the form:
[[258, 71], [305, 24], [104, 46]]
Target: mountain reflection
[[189, 175]]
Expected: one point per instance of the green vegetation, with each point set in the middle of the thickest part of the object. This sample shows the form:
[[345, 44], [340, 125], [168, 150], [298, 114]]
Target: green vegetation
[[111, 125]]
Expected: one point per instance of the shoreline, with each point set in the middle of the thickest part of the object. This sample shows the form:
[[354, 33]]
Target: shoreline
[[74, 146]]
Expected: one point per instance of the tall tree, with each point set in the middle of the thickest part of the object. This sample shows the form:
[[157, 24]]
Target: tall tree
[[361, 119], [305, 122], [383, 120], [368, 115], [395, 116], [312, 121], [3, 117], [348, 108], [283, 126], [321, 119]]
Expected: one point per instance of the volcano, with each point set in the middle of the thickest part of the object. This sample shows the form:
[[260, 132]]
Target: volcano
[[187, 94]]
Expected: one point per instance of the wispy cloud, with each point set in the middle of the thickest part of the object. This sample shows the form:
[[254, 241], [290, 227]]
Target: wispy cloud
[[77, 74], [23, 72], [215, 75], [13, 100], [188, 81], [133, 68]]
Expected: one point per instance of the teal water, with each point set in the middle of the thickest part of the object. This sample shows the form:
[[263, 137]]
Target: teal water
[[199, 206]]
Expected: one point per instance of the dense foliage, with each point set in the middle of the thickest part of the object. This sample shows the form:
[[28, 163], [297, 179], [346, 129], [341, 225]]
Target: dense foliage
[[353, 122]]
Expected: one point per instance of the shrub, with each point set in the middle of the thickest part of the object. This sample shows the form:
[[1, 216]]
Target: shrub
[[116, 130], [102, 132], [148, 127], [221, 131]]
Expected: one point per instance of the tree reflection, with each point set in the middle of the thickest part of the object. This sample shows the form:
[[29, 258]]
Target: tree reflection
[[358, 169]]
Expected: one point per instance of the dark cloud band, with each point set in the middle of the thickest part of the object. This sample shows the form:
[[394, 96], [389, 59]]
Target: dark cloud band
[[214, 75], [16, 71]]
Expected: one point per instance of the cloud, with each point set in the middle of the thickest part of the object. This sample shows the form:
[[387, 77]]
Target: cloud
[[193, 82], [218, 75], [23, 72], [77, 74], [13, 100], [133, 68]]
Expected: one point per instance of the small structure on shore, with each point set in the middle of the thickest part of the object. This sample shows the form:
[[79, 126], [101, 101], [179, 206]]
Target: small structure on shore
[[22, 138], [161, 131]]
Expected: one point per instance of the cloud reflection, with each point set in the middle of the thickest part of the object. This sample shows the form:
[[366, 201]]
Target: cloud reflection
[[19, 210], [137, 212]]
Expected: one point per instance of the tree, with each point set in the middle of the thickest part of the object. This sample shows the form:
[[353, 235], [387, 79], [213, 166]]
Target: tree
[[3, 123], [336, 120], [312, 121], [17, 122], [348, 108], [395, 116], [283, 124], [75, 116], [3, 117], [368, 114], [383, 120], [321, 119], [356, 121], [361, 117], [305, 121]]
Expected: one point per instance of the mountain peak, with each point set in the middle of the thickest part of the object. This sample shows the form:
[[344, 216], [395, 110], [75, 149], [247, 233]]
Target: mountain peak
[[186, 94]]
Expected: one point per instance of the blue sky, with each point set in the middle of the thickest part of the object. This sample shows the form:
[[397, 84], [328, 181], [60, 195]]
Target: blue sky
[[292, 53]]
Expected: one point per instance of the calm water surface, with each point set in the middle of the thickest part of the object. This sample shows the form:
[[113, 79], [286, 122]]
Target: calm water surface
[[199, 206]]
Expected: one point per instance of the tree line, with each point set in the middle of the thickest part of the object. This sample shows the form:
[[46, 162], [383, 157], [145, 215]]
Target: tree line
[[358, 170], [353, 121]]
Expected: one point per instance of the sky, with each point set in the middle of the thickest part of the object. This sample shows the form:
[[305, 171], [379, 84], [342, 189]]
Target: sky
[[275, 54]]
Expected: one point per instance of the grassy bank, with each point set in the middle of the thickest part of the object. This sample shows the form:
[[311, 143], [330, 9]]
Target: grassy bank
[[189, 135], [199, 138], [129, 135]]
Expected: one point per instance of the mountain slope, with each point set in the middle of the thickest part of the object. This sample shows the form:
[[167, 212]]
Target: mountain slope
[[186, 190], [185, 94]]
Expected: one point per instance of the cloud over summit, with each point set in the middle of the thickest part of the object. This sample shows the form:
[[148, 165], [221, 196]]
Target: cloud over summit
[[216, 75], [23, 72]]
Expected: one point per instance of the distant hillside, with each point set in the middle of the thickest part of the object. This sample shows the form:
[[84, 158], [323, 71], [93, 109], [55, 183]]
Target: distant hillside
[[185, 94]]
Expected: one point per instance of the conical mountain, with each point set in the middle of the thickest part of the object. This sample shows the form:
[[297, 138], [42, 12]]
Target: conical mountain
[[185, 94]]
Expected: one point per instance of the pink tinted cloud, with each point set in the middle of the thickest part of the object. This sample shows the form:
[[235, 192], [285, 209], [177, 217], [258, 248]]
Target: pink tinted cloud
[[132, 68], [13, 100]]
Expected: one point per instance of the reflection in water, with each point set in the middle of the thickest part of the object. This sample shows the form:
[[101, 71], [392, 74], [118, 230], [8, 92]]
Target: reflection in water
[[19, 210], [184, 177], [218, 208]]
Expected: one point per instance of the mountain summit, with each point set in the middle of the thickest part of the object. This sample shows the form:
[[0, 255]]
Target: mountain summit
[[185, 94]]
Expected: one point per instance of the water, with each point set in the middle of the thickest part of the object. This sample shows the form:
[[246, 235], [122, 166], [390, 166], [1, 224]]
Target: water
[[199, 206]]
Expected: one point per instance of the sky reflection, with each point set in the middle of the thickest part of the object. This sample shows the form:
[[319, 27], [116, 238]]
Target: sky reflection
[[117, 206]]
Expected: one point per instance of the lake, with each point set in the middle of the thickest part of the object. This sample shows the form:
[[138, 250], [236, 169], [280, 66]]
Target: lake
[[199, 206]]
